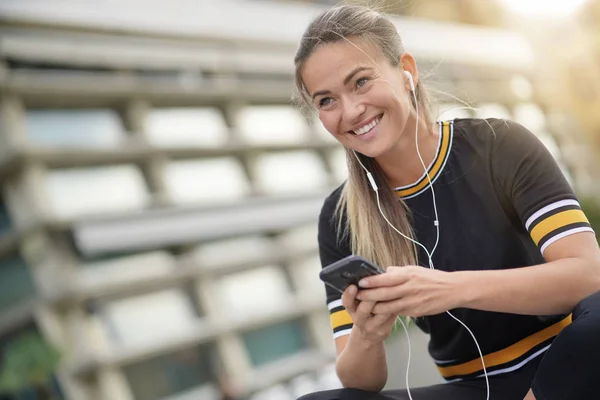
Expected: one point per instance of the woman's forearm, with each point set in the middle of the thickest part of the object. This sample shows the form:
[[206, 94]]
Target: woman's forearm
[[551, 288], [362, 364]]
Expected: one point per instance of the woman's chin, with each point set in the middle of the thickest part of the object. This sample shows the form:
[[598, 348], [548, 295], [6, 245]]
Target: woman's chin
[[368, 151]]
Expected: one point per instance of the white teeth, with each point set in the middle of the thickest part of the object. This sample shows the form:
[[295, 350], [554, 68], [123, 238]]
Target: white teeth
[[367, 127]]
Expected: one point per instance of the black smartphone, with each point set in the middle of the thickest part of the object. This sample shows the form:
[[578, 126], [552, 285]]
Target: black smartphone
[[348, 271]]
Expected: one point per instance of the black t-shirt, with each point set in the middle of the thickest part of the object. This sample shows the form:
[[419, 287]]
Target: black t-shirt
[[502, 200]]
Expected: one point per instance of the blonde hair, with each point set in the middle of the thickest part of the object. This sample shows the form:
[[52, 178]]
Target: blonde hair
[[370, 236]]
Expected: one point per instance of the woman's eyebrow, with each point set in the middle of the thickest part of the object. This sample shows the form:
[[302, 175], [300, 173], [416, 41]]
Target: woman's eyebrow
[[346, 80], [354, 72]]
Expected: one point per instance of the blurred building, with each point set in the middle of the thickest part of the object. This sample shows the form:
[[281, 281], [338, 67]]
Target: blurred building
[[159, 192]]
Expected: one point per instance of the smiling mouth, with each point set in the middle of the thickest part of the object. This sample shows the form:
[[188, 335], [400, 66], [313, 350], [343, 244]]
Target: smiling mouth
[[368, 127]]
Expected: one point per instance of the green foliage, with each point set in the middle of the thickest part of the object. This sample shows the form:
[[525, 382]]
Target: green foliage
[[591, 208], [28, 360], [398, 329]]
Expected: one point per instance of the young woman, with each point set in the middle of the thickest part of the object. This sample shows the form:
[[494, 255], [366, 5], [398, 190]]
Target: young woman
[[515, 260]]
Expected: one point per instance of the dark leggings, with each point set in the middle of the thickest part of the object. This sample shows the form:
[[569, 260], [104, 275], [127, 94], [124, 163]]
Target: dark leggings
[[569, 370]]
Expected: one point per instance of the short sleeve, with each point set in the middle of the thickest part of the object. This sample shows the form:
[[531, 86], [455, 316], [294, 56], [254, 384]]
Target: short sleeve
[[535, 185], [332, 249]]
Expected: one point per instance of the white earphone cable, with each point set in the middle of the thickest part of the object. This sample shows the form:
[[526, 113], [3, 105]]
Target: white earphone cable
[[429, 255]]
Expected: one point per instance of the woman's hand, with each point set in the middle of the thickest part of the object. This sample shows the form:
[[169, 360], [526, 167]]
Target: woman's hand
[[374, 328], [411, 291]]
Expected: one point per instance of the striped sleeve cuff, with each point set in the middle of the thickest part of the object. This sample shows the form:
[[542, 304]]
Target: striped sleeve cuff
[[341, 322], [556, 221]]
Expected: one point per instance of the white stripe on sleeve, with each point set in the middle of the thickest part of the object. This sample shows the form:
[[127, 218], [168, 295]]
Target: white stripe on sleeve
[[549, 208]]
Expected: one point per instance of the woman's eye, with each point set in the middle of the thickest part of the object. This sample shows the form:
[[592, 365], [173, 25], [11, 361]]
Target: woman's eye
[[361, 82], [325, 101]]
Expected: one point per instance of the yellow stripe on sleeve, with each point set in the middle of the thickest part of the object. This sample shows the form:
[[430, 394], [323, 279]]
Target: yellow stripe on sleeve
[[340, 318], [556, 221]]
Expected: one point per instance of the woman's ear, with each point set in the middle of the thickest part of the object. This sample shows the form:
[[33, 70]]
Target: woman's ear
[[408, 64]]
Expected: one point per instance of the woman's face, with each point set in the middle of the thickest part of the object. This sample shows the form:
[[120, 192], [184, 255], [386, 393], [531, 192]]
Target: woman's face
[[362, 100]]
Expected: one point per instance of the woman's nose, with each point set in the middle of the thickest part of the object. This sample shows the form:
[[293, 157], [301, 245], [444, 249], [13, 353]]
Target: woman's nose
[[353, 110]]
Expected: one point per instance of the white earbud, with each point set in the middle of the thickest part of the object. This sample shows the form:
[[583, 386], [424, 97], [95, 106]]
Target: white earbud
[[410, 80]]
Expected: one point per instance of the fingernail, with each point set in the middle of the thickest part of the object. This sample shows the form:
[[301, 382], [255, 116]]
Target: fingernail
[[363, 283]]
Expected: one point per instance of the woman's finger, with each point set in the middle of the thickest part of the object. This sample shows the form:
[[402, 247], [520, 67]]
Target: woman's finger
[[349, 299], [381, 319], [382, 293], [380, 326], [400, 307], [392, 277], [363, 312]]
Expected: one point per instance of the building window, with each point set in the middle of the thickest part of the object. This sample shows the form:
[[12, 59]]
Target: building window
[[16, 283], [290, 172], [79, 192], [339, 165], [275, 342], [188, 370], [206, 181], [129, 268], [271, 125], [247, 249], [74, 128], [305, 273], [5, 225], [167, 314], [185, 127], [253, 292]]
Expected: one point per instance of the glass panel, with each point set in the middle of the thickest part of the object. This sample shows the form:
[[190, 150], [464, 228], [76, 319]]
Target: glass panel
[[290, 172], [339, 165], [322, 132], [305, 273], [247, 249], [254, 291], [182, 127], [302, 238], [275, 342], [169, 374], [4, 219], [98, 190], [126, 269], [167, 314], [74, 128], [16, 283], [272, 124], [206, 181]]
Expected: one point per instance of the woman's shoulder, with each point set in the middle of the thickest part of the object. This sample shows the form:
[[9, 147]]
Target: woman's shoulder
[[487, 129], [490, 135]]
